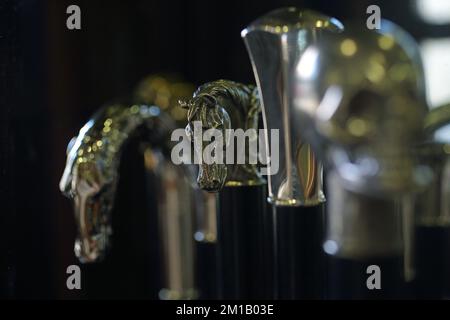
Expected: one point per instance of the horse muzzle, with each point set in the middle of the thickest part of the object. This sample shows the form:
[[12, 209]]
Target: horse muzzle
[[211, 177]]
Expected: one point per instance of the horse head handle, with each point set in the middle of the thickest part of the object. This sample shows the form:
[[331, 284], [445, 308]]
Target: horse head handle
[[91, 172], [223, 105]]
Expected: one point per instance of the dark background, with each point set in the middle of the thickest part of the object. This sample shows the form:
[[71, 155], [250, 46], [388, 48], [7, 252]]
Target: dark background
[[52, 79]]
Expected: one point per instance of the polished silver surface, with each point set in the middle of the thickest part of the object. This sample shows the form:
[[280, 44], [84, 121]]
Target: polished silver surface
[[91, 173], [437, 124], [361, 103], [433, 205], [91, 176], [275, 42], [177, 209], [360, 226], [206, 222], [224, 105]]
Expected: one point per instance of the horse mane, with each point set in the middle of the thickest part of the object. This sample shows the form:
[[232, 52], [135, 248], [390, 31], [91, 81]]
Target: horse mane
[[242, 96]]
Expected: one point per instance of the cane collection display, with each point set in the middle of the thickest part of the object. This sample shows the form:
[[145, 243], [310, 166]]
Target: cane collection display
[[349, 108]]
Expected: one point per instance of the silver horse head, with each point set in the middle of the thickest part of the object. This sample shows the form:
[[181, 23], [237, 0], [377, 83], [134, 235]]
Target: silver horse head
[[224, 105], [91, 172]]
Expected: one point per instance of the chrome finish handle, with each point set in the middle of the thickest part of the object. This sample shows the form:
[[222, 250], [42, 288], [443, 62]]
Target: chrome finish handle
[[275, 42]]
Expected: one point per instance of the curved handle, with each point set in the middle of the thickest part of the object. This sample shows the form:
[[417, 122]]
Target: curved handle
[[274, 43], [91, 172]]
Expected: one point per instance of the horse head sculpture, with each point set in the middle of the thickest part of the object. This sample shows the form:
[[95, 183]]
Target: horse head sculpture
[[91, 172], [224, 105], [91, 178]]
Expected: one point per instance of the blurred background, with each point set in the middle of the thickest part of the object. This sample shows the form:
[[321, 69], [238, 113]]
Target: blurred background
[[53, 79]]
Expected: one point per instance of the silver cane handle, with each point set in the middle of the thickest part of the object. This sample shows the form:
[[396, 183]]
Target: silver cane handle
[[275, 42]]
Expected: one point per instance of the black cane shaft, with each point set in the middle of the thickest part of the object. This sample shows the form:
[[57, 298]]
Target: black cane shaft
[[432, 262], [300, 261], [348, 278], [241, 256], [207, 270]]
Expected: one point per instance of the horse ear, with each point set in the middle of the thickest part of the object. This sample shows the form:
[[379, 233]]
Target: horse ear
[[183, 104]]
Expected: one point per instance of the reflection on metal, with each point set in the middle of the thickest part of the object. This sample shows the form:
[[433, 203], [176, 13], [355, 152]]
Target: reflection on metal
[[436, 58], [91, 175], [433, 205], [176, 210], [437, 119], [165, 91], [91, 172], [407, 212], [222, 105], [364, 113], [275, 42], [433, 11], [355, 98], [362, 108], [361, 226], [206, 230]]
